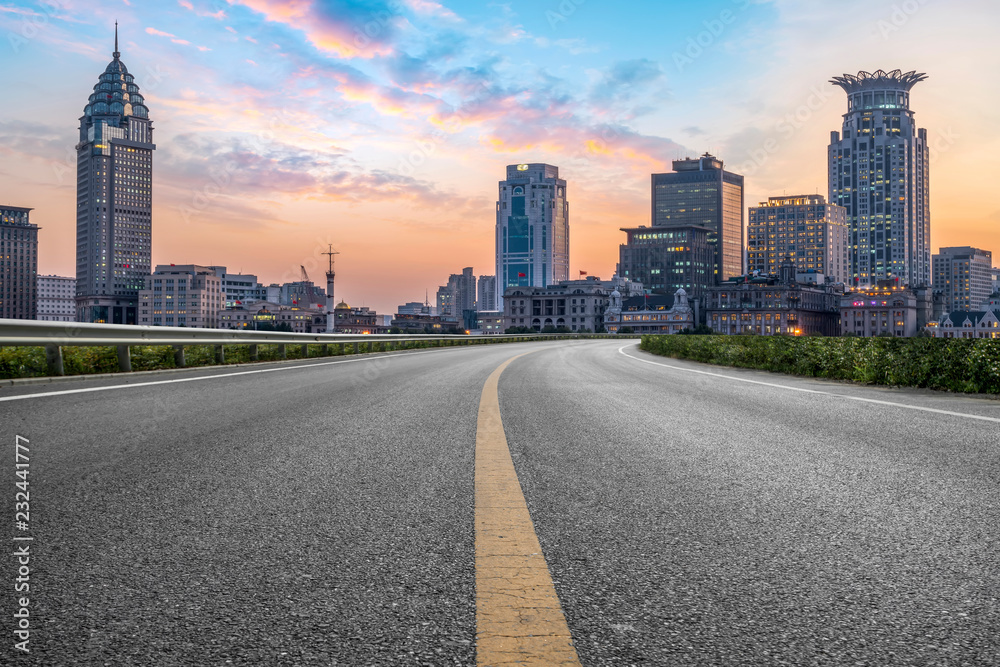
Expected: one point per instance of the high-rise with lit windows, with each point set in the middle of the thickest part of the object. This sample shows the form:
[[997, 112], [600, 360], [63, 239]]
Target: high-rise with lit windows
[[804, 227], [878, 171], [114, 198], [700, 192], [18, 264], [532, 232], [964, 276]]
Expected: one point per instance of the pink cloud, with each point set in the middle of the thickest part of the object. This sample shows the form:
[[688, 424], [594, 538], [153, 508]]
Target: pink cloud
[[333, 35]]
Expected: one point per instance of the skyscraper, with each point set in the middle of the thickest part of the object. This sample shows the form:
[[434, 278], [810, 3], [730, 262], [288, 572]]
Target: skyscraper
[[114, 198], [486, 294], [700, 192], [964, 275], [804, 227], [532, 233], [18, 264], [878, 171]]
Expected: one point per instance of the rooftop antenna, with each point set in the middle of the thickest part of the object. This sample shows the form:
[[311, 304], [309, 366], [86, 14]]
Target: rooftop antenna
[[116, 54]]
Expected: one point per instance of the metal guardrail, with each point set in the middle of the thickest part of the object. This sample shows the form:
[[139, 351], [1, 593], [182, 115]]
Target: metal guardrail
[[53, 336]]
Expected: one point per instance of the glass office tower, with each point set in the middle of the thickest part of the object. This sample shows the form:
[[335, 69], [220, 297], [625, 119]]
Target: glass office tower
[[701, 193], [532, 232]]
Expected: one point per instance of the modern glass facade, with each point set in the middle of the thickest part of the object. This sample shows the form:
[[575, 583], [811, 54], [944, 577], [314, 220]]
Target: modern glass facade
[[665, 260], [114, 199], [878, 171], [700, 192], [532, 230]]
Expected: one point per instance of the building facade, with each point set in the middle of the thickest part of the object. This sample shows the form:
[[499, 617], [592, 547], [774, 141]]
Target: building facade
[[813, 233], [357, 320], [486, 294], [964, 276], [239, 288], [878, 171], [18, 264], [769, 307], [649, 315], [56, 299], [577, 305], [665, 260], [532, 230], [884, 310], [114, 205], [185, 295], [269, 315], [969, 324], [700, 192]]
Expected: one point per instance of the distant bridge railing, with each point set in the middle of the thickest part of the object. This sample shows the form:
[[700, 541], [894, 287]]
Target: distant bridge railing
[[53, 336]]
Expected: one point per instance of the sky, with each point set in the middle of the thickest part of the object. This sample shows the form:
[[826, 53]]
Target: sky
[[382, 127]]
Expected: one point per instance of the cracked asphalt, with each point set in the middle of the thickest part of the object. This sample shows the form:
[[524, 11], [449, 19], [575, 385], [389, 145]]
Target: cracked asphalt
[[324, 514]]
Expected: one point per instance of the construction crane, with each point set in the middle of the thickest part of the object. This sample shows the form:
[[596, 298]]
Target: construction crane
[[305, 276]]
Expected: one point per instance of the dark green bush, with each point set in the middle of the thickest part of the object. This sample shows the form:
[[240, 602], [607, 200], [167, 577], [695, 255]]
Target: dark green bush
[[962, 365]]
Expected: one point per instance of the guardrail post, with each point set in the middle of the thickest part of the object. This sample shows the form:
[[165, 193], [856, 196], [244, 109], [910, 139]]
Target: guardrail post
[[124, 359], [54, 360], [324, 350], [254, 353], [179, 359], [305, 350], [220, 354], [283, 351], [355, 349]]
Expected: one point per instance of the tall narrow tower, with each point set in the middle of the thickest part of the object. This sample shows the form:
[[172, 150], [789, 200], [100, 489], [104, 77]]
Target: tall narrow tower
[[114, 202], [532, 232], [878, 171], [330, 275]]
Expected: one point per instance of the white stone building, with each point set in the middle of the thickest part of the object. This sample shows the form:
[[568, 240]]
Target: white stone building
[[56, 299]]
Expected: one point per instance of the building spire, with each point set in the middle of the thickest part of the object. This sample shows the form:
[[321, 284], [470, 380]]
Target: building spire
[[116, 54]]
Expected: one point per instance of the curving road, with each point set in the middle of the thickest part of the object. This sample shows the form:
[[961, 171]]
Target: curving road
[[325, 513]]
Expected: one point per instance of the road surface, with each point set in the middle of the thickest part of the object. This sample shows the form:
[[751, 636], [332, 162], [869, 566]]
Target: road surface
[[325, 512]]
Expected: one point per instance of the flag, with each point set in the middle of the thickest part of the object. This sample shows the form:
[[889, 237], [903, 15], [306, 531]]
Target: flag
[[239, 303], [583, 273], [522, 275]]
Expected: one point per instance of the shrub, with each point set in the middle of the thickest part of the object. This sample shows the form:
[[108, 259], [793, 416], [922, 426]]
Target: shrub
[[961, 365]]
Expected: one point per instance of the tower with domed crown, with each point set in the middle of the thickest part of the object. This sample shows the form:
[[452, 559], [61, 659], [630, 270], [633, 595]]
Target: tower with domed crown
[[114, 198]]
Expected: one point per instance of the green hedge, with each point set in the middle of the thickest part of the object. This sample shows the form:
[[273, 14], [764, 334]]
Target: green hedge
[[962, 365]]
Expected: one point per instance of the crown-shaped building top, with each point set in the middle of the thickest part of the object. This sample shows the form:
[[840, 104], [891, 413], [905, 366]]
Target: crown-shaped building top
[[878, 80], [116, 93]]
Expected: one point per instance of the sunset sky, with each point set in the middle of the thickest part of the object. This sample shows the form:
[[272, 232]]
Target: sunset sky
[[382, 127]]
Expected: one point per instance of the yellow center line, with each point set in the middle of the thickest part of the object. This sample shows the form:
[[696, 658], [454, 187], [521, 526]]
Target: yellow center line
[[519, 620]]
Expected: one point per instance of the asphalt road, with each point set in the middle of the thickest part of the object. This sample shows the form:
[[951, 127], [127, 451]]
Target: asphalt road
[[322, 513]]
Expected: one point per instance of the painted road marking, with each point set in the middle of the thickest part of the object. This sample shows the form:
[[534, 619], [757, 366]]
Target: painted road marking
[[519, 620], [814, 391], [85, 390]]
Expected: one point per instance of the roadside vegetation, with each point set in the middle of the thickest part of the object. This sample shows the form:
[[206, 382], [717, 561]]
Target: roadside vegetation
[[959, 365]]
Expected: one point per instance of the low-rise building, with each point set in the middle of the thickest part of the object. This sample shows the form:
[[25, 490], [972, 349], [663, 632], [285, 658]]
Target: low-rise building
[[768, 306], [577, 305], [969, 324], [489, 323], [268, 315], [56, 299], [655, 314], [884, 310], [184, 295], [361, 320], [420, 323]]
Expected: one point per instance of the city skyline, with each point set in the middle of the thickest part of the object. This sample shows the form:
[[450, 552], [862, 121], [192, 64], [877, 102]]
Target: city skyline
[[370, 121]]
